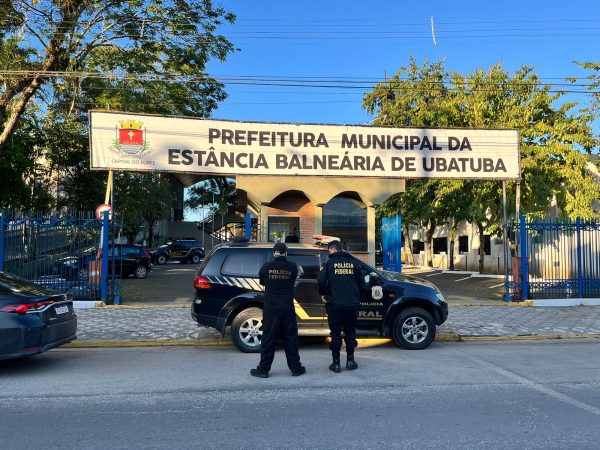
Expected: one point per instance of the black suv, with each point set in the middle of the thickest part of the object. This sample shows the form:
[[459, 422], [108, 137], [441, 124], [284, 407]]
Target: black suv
[[183, 250], [228, 293], [129, 260]]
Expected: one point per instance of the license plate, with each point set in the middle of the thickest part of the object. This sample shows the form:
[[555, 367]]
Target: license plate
[[61, 309]]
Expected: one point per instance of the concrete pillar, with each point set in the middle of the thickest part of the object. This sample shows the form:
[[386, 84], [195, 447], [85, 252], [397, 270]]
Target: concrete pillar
[[263, 223], [318, 219], [371, 234]]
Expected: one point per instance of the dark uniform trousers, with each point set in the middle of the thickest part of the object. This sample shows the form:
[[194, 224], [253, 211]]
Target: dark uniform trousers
[[279, 323], [342, 318]]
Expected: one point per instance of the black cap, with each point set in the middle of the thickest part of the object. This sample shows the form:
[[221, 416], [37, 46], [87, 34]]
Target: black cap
[[279, 249]]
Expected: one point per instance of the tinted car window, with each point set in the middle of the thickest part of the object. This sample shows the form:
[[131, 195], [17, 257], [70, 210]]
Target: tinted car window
[[129, 252], [114, 251], [308, 265], [244, 263]]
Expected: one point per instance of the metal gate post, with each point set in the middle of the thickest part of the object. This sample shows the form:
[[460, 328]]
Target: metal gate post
[[579, 262], [524, 260], [103, 286], [248, 226], [399, 246], [2, 224]]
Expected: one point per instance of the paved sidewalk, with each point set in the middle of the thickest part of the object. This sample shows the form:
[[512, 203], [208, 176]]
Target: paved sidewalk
[[161, 325]]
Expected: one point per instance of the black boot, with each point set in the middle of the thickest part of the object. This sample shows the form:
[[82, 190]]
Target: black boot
[[260, 373], [350, 363], [301, 370], [335, 365]]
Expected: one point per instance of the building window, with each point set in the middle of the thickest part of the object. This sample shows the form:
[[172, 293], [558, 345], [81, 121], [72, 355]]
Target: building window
[[284, 229], [346, 218], [440, 245], [463, 244], [418, 246]]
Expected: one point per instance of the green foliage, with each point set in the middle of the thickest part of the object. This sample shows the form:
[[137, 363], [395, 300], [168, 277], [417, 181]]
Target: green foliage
[[554, 139], [553, 168], [219, 194], [16, 165], [145, 57], [140, 198]]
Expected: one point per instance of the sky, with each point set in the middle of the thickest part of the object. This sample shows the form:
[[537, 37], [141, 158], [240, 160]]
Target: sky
[[353, 44], [362, 42]]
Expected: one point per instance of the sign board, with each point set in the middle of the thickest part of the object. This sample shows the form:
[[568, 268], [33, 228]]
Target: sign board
[[101, 209], [122, 141]]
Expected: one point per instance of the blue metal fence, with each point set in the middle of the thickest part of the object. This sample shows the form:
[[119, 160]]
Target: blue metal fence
[[555, 259], [58, 251]]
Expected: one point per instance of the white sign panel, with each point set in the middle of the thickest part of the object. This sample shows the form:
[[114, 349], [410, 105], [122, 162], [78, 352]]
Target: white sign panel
[[122, 141]]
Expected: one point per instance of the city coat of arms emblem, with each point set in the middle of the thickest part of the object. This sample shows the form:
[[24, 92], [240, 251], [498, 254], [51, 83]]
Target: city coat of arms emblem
[[130, 138]]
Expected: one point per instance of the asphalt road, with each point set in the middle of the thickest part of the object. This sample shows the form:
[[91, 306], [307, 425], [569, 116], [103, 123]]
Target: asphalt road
[[172, 284], [526, 395], [169, 284]]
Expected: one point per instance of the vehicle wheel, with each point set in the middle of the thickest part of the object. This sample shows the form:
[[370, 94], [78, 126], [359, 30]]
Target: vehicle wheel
[[161, 259], [196, 259], [414, 329], [246, 330], [140, 272]]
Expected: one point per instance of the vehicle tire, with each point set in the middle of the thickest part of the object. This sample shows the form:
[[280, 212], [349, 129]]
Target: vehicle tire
[[246, 330], [140, 272], [196, 259], [413, 329], [161, 259]]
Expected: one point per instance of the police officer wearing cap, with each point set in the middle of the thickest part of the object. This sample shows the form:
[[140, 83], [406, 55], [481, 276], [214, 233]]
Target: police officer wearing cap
[[279, 317], [341, 283]]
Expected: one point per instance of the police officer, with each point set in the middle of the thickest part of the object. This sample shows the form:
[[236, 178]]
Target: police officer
[[279, 318], [341, 284]]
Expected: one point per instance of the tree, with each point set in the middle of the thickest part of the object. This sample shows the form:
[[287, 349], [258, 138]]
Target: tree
[[141, 198], [218, 193], [554, 138], [44, 42]]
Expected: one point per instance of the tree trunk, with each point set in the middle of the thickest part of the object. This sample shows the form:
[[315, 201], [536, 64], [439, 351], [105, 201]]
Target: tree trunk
[[429, 238], [410, 257], [481, 249], [17, 111], [150, 233], [452, 235]]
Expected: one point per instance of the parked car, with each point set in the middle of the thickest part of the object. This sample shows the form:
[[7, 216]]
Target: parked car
[[183, 250], [129, 260], [228, 293], [33, 319]]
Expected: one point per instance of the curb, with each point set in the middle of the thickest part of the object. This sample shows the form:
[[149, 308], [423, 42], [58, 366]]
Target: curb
[[366, 342], [100, 305], [117, 343], [449, 337]]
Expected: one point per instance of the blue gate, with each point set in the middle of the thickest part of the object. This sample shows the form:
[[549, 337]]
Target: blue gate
[[60, 252], [391, 228], [557, 259]]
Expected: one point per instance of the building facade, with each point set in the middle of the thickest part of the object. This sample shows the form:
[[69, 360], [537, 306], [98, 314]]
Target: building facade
[[298, 208]]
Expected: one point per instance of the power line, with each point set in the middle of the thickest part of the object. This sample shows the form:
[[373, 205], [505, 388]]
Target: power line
[[321, 83]]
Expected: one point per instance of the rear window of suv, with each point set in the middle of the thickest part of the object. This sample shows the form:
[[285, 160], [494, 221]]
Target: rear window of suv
[[309, 265], [244, 263]]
